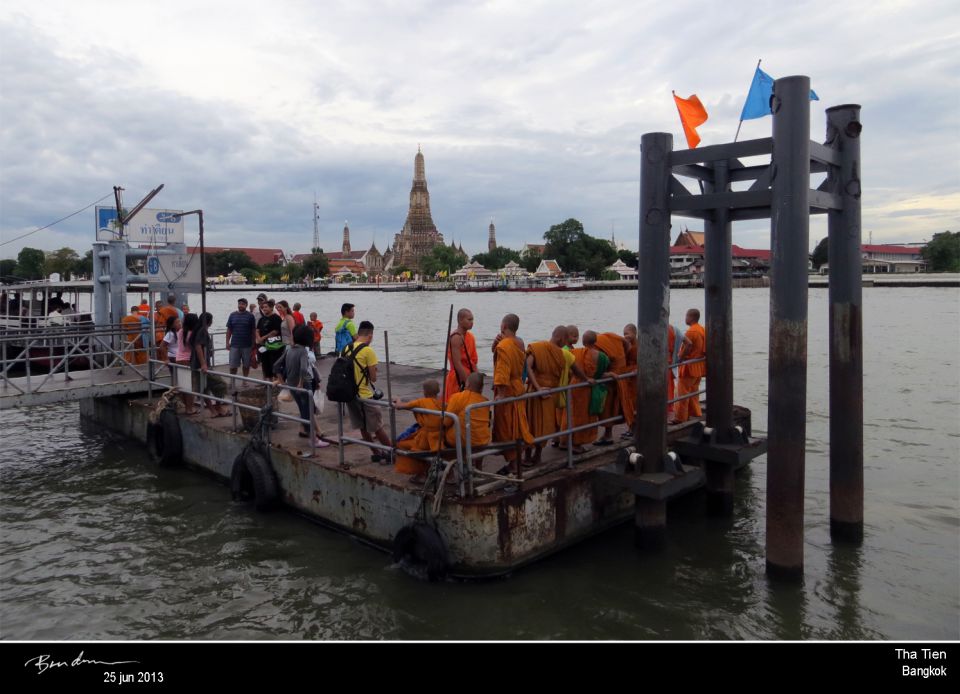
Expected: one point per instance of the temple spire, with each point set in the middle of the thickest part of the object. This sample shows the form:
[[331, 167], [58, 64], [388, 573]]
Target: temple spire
[[492, 240], [346, 237]]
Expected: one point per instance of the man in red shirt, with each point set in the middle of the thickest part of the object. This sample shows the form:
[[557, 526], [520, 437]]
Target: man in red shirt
[[297, 316]]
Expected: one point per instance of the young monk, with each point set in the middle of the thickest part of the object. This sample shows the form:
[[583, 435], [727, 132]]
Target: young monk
[[671, 348], [615, 347], [694, 347], [462, 356], [427, 437], [547, 362], [628, 396], [133, 352], [479, 416], [509, 419]]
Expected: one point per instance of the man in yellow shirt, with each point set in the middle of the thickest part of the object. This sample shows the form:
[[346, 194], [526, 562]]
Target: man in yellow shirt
[[364, 416]]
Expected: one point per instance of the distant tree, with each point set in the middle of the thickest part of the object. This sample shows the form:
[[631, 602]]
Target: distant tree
[[30, 264], [316, 265], [820, 253], [943, 252], [272, 273], [497, 258], [7, 269], [577, 251], [83, 267], [294, 272], [225, 262], [399, 270], [628, 257], [531, 261], [61, 262], [441, 258], [251, 274]]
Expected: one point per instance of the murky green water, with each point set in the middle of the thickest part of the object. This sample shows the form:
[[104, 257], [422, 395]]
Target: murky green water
[[98, 543]]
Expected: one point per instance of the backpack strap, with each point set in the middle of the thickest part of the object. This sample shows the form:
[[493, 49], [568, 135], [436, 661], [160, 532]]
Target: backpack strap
[[353, 357]]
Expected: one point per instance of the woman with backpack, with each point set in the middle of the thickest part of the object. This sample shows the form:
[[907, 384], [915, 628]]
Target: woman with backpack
[[300, 374]]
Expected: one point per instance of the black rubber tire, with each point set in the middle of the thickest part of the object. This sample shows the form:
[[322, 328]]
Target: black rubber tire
[[421, 551], [266, 490], [165, 441], [241, 486]]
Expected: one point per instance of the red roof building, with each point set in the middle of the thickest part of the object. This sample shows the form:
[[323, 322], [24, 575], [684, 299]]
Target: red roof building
[[261, 256]]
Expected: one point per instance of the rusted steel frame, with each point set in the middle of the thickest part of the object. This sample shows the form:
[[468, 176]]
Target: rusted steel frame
[[786, 408], [733, 150], [653, 298], [718, 302], [846, 327]]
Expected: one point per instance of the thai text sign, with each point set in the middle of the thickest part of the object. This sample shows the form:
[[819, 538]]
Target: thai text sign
[[149, 226], [180, 271]]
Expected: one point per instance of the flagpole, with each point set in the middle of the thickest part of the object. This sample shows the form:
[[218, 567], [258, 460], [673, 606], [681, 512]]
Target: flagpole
[[748, 93]]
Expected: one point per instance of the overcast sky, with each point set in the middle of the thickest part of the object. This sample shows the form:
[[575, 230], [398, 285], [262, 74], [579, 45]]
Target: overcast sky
[[528, 112]]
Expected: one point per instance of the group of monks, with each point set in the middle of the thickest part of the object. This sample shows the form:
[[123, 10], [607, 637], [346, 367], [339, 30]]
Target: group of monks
[[540, 367]]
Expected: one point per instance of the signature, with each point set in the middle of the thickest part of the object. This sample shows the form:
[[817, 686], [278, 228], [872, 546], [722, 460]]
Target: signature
[[43, 662]]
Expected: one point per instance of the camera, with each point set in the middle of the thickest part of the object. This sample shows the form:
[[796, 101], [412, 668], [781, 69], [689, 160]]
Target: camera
[[377, 394]]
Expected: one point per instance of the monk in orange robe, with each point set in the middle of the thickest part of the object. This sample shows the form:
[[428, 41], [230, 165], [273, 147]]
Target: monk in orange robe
[[429, 437], [133, 352], [694, 347], [593, 363], [547, 362], [479, 417], [615, 347], [461, 356], [509, 419], [671, 346]]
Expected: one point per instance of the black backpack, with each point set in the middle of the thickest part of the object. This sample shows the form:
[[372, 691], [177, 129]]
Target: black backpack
[[341, 384]]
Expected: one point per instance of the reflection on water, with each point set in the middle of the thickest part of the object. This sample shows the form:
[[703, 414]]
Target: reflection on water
[[98, 543]]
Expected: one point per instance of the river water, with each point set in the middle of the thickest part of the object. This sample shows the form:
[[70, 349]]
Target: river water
[[96, 543]]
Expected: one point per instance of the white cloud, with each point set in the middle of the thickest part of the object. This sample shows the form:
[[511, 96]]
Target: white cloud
[[527, 112]]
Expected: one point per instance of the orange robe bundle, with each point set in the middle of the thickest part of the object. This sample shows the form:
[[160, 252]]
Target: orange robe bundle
[[479, 420], [690, 374], [467, 359], [580, 398], [549, 363], [133, 352], [611, 344], [510, 419], [427, 438], [628, 387]]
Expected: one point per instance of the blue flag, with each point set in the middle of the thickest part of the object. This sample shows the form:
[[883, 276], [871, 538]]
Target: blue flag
[[757, 104]]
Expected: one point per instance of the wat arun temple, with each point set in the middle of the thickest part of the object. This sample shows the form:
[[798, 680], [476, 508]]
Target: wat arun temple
[[419, 234]]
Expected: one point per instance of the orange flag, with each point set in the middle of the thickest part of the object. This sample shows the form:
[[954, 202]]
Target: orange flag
[[692, 114]]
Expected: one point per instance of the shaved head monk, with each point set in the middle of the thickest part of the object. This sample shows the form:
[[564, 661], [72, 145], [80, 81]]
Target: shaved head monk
[[587, 403], [547, 364], [509, 419], [628, 396], [573, 336], [479, 416], [694, 347], [461, 356], [616, 347]]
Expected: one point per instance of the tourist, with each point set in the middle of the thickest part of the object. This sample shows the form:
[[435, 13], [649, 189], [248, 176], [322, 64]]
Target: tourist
[[201, 359], [546, 364], [461, 356], [189, 324], [170, 344], [55, 318], [300, 374], [287, 323], [345, 332], [428, 437], [694, 347], [268, 338], [479, 416], [258, 311], [509, 419], [240, 328], [297, 316], [317, 326], [363, 415]]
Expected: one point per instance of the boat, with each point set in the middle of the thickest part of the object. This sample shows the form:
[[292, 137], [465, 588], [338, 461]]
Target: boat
[[545, 284], [475, 285]]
